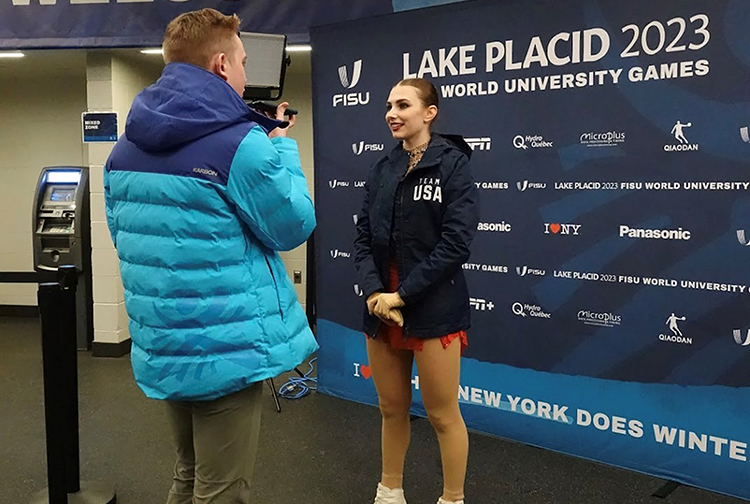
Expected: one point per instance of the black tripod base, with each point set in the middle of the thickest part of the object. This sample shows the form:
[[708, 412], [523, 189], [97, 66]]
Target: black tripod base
[[90, 493]]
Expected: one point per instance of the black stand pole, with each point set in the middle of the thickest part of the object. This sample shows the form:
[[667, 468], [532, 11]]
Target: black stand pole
[[57, 306]]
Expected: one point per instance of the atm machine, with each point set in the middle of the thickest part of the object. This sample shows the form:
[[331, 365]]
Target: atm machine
[[62, 236]]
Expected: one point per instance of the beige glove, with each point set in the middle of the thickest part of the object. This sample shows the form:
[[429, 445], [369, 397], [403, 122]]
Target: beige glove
[[386, 307], [389, 315]]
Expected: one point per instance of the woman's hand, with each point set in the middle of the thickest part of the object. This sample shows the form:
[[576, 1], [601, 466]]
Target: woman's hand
[[386, 307]]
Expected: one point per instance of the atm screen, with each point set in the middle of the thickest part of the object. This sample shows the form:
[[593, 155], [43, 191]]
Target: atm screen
[[63, 194]]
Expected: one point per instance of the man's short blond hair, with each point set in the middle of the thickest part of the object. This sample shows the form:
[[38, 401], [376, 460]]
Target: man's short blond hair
[[195, 37]]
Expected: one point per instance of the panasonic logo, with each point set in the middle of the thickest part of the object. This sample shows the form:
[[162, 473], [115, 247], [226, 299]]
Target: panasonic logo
[[655, 234]]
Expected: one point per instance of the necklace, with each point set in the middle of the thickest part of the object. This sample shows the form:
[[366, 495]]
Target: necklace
[[415, 154]]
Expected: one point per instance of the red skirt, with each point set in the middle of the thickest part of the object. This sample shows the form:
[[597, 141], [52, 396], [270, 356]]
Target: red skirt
[[394, 335]]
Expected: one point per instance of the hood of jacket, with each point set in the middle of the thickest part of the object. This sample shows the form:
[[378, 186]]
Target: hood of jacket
[[186, 103]]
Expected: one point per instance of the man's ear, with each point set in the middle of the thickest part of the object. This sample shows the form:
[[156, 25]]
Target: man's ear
[[218, 65]]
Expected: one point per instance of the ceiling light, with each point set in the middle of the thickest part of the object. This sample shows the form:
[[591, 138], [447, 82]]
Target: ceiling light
[[298, 48]]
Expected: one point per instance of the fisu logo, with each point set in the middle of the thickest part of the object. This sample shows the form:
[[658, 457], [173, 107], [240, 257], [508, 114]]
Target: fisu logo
[[739, 339], [356, 73], [742, 238], [351, 99], [359, 148], [339, 253], [358, 290], [337, 183]]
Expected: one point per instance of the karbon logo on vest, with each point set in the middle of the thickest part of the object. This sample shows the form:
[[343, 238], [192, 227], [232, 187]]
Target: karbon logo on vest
[[352, 99], [360, 147]]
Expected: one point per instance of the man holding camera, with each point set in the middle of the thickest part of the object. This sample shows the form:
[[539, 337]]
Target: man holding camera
[[201, 192]]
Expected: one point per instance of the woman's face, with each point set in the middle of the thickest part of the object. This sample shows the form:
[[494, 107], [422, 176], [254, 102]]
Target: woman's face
[[405, 114]]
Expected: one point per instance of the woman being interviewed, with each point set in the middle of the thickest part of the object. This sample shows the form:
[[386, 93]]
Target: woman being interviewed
[[413, 235]]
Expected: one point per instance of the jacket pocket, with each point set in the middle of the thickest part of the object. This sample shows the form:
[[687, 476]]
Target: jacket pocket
[[275, 286]]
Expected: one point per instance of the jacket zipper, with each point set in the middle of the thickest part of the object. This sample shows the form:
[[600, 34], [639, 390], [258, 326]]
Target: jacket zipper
[[276, 287], [400, 248]]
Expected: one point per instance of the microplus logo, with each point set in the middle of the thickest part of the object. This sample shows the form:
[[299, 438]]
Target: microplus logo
[[359, 148], [604, 139], [655, 234], [351, 99], [482, 143]]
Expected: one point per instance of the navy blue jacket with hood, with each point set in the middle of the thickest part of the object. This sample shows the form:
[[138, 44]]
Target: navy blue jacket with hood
[[426, 219]]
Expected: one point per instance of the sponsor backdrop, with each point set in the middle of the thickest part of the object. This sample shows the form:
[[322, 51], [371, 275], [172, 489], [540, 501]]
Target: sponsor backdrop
[[609, 277]]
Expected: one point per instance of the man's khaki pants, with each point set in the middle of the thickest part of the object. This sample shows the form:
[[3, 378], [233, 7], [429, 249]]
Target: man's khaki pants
[[216, 446]]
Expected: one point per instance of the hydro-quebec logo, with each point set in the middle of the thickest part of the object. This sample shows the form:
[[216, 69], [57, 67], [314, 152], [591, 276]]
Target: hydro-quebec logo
[[531, 142], [676, 336], [481, 304], [359, 147], [525, 270], [602, 139], [340, 254], [524, 185], [745, 134], [351, 99], [599, 319], [740, 339], [480, 143], [529, 310], [556, 228], [655, 234], [333, 184], [495, 227], [682, 144]]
